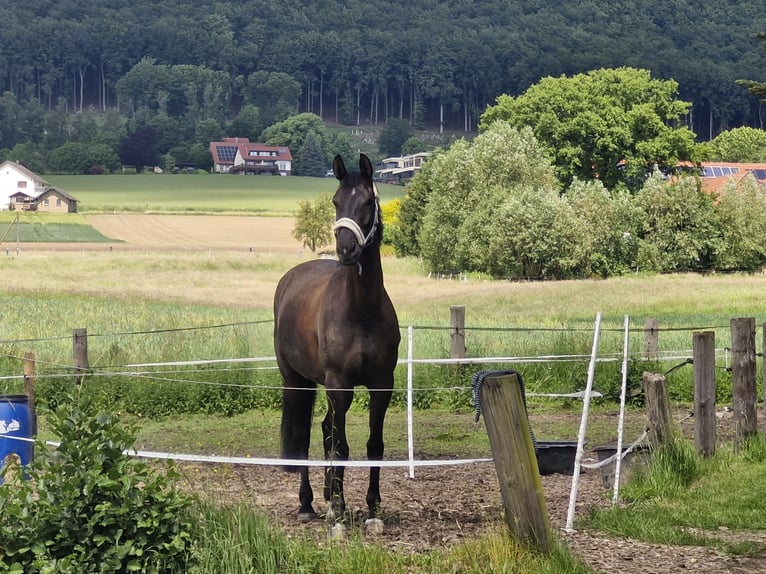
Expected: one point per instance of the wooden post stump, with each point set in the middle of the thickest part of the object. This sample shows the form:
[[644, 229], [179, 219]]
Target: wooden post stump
[[743, 379], [658, 408], [515, 460], [651, 339], [703, 352], [80, 354], [457, 331]]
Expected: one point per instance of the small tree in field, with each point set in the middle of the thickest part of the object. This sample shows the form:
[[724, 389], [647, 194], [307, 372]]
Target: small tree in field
[[313, 222]]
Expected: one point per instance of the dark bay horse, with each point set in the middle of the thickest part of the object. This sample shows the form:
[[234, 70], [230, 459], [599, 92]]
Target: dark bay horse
[[334, 325]]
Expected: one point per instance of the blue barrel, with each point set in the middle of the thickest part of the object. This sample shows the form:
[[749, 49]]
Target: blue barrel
[[15, 423]]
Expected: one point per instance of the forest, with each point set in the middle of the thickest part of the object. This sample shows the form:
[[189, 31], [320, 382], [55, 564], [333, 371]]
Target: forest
[[437, 64]]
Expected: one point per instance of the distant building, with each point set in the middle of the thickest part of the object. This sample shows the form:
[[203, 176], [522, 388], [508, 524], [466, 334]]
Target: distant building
[[239, 155], [716, 174], [401, 168], [23, 190]]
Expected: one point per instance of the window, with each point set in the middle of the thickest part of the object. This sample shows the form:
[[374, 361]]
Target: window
[[58, 202], [21, 184]]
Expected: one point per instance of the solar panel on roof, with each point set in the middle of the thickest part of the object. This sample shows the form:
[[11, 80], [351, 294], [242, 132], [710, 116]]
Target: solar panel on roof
[[226, 152], [707, 171], [759, 173]]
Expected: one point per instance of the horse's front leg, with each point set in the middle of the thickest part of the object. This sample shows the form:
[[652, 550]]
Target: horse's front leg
[[336, 449], [306, 497], [379, 401]]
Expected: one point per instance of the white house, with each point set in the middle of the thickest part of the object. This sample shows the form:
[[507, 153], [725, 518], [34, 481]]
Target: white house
[[15, 178], [239, 155], [400, 168]]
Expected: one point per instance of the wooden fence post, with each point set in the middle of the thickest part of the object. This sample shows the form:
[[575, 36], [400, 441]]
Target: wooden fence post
[[29, 387], [743, 379], [651, 339], [515, 460], [457, 331], [657, 407], [703, 353], [80, 354]]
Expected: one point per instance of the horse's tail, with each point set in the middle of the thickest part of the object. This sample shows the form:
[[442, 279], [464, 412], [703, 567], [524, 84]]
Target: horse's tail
[[297, 411]]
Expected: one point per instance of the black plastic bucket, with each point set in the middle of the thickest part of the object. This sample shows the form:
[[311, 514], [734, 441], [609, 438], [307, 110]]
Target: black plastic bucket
[[15, 426]]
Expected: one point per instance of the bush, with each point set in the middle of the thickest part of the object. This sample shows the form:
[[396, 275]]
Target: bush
[[89, 507]]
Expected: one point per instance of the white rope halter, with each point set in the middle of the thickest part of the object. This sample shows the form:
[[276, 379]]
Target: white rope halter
[[353, 226]]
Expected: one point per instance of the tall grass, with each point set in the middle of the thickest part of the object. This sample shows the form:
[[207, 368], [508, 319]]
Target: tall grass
[[679, 498], [240, 540], [148, 308]]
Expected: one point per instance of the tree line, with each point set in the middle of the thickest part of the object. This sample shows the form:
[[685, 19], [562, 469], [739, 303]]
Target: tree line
[[436, 64]]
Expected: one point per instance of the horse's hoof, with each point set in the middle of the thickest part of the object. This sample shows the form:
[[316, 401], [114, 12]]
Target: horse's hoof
[[374, 526], [304, 517], [338, 531]]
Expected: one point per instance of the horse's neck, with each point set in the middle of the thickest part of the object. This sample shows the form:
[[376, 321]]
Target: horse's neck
[[365, 279]]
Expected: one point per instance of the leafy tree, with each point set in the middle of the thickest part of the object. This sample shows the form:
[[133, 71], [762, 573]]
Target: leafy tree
[[273, 93], [492, 207], [404, 234], [680, 230], [29, 155], [208, 131], [413, 145], [339, 144], [312, 159], [293, 131], [610, 124], [139, 148], [393, 135], [71, 158], [605, 230], [313, 222], [248, 123], [742, 144], [741, 210]]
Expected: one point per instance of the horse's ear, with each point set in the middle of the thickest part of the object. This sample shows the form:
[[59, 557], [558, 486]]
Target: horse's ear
[[338, 168], [365, 166]]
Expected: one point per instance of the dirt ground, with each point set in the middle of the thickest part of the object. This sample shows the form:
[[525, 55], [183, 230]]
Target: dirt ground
[[442, 506], [445, 506]]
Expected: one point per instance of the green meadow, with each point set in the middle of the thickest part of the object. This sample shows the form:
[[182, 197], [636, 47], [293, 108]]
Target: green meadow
[[211, 193]]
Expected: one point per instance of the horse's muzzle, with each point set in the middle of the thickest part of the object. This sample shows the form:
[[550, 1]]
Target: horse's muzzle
[[347, 247]]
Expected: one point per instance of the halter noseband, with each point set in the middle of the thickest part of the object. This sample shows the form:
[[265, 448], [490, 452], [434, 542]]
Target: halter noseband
[[353, 226]]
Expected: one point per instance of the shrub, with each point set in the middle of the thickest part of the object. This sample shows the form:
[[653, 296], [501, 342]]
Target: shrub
[[89, 507]]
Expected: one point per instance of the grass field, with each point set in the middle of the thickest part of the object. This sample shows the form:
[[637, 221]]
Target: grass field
[[218, 193]]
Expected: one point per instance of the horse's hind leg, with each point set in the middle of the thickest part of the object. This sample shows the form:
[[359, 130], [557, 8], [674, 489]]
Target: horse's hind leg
[[379, 400]]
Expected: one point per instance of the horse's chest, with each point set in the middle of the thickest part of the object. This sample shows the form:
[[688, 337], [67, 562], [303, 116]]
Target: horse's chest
[[352, 352]]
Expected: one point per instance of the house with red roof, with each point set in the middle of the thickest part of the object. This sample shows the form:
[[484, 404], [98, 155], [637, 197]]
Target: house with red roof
[[717, 174], [239, 155]]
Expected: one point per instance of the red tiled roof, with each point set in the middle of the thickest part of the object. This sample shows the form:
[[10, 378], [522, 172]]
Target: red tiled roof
[[729, 172]]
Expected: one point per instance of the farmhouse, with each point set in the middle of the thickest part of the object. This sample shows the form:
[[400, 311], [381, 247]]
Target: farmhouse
[[239, 155], [22, 189], [715, 175], [398, 169]]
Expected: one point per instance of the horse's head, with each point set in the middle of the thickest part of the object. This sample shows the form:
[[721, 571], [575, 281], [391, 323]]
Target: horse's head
[[357, 213]]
